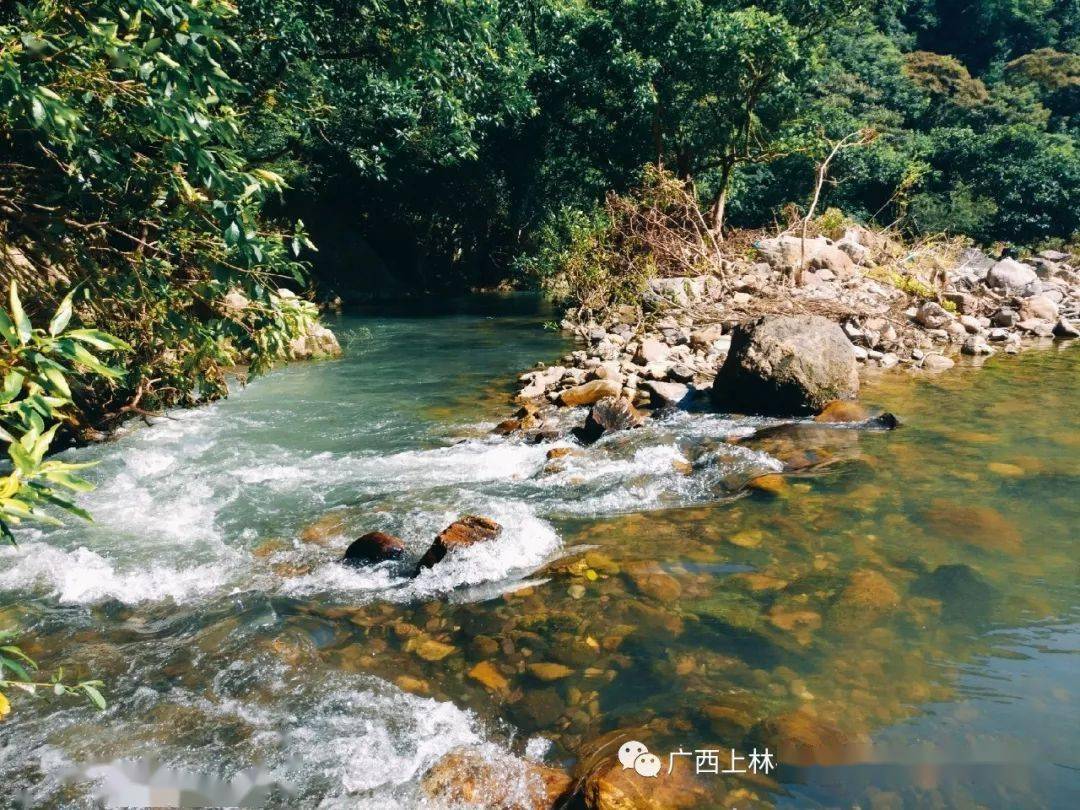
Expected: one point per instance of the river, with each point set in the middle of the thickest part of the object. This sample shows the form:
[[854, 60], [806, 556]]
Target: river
[[900, 622]]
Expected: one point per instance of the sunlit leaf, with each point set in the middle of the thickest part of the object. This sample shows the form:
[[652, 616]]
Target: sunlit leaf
[[22, 323], [62, 317]]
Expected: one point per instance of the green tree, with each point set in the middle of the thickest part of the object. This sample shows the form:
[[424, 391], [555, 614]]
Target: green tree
[[122, 176]]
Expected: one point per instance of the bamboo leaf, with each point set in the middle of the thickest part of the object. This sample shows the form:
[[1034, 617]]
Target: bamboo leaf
[[94, 695], [22, 323], [99, 340], [7, 329], [62, 317]]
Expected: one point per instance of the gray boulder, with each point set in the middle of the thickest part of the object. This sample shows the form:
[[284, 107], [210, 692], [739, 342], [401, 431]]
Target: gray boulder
[[786, 365], [1009, 274]]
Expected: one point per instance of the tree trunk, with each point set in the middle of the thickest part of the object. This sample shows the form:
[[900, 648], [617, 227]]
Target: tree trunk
[[718, 208]]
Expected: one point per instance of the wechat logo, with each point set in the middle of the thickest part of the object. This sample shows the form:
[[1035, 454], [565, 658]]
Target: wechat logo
[[636, 755]]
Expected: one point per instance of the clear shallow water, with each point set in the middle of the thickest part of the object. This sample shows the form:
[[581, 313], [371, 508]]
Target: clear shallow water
[[897, 587]]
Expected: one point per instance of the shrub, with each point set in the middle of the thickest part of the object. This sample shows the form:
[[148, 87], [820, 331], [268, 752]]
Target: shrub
[[600, 259]]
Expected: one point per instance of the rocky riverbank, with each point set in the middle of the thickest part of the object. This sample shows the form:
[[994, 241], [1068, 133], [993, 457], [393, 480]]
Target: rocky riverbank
[[864, 302]]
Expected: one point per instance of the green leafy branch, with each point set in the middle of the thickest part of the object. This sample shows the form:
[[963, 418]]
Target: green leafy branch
[[24, 669], [36, 366]]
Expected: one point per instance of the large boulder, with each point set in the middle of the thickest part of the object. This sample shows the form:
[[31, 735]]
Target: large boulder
[[786, 365], [462, 533], [374, 547], [1009, 274], [607, 416]]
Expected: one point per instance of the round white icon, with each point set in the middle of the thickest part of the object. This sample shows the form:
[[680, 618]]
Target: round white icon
[[647, 765], [634, 754], [630, 751]]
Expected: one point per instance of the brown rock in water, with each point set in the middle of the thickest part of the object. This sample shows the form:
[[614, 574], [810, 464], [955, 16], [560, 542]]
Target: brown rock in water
[[803, 738], [507, 426], [604, 784], [651, 581], [546, 672], [374, 547], [560, 452], [325, 528], [786, 365], [429, 649], [468, 531], [590, 392], [840, 410], [486, 673], [468, 778], [771, 483], [978, 525], [608, 415], [867, 596]]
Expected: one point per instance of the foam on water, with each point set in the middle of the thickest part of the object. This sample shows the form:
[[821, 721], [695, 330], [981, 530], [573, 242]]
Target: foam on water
[[525, 543], [180, 504], [349, 740], [82, 576]]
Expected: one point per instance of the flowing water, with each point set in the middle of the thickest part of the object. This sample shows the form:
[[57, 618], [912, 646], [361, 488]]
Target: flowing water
[[898, 623]]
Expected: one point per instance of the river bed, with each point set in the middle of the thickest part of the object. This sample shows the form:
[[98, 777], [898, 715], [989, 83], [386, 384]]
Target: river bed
[[899, 623]]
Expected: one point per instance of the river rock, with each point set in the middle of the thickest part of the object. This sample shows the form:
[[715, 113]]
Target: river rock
[[605, 784], [1010, 274], [316, 342], [783, 253], [786, 365], [976, 345], [937, 362], [667, 394], [964, 595], [486, 674], [1037, 327], [467, 531], [933, 316], [547, 671], [651, 350], [842, 410], [1041, 307], [608, 415], [374, 547], [707, 336], [590, 392], [471, 778]]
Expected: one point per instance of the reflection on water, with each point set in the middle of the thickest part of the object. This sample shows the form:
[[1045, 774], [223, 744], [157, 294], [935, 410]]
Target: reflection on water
[[897, 620]]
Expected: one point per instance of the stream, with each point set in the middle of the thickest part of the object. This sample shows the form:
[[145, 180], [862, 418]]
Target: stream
[[901, 623]]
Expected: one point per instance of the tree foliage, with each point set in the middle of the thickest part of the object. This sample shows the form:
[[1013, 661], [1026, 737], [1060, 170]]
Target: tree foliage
[[122, 175], [159, 149]]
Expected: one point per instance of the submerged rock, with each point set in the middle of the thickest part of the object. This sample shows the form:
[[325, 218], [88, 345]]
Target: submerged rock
[[786, 365], [468, 531], [964, 595], [604, 783], [770, 483], [608, 415], [374, 547]]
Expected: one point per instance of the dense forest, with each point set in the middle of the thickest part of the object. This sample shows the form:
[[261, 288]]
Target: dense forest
[[175, 162]]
